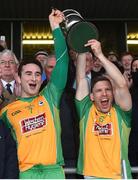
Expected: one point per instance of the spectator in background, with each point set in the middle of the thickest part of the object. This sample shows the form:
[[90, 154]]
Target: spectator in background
[[49, 65], [133, 145], [113, 57], [3, 45], [72, 68], [8, 151], [89, 66], [41, 56], [48, 68], [126, 60], [104, 125], [8, 154], [73, 55], [8, 73], [97, 68]]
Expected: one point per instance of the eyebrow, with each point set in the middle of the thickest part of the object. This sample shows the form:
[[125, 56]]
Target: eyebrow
[[31, 72]]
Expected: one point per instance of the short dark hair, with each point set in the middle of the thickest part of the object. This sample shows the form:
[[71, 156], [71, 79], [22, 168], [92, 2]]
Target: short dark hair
[[126, 54], [99, 78], [30, 61]]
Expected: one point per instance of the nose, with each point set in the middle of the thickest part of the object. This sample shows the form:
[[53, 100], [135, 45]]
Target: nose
[[7, 63], [104, 92], [33, 77]]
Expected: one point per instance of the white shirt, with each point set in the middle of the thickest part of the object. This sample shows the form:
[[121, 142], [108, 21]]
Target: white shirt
[[4, 83]]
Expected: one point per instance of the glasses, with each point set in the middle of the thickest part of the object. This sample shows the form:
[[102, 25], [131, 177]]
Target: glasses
[[11, 62]]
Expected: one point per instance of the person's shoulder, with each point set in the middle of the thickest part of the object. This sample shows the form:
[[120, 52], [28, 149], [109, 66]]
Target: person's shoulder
[[10, 106], [118, 108]]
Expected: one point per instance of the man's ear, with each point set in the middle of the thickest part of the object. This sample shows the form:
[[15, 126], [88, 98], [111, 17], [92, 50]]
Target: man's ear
[[19, 79], [91, 97]]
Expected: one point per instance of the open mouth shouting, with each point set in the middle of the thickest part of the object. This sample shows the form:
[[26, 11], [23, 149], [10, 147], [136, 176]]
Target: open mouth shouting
[[105, 105], [32, 86]]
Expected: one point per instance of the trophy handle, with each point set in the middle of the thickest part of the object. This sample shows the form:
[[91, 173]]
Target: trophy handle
[[69, 24], [74, 15], [71, 17], [70, 10]]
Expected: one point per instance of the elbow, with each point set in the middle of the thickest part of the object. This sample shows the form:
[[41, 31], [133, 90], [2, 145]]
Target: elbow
[[123, 83]]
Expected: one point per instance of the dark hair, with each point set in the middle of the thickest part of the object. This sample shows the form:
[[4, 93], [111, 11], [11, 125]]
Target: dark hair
[[135, 59], [126, 54], [112, 53], [30, 61], [99, 78]]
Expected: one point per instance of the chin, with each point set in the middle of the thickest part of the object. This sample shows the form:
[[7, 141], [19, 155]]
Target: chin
[[105, 110], [33, 94]]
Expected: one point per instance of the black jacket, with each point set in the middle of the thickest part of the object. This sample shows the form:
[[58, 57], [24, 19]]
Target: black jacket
[[8, 154]]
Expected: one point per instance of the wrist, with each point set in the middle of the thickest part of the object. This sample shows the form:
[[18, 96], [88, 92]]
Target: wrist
[[54, 26], [100, 56]]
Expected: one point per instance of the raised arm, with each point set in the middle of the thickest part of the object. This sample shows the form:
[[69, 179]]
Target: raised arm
[[82, 84], [59, 74], [121, 91]]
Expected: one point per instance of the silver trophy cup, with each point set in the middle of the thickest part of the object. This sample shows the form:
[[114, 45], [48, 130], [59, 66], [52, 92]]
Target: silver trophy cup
[[78, 31]]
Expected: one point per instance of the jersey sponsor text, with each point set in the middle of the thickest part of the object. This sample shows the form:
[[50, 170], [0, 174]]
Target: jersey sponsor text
[[33, 123]]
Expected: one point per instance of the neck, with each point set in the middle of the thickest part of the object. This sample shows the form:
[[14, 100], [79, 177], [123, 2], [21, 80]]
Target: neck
[[24, 95], [7, 79]]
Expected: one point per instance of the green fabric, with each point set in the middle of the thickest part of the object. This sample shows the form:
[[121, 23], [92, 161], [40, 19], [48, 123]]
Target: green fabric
[[59, 76], [43, 172], [83, 108], [124, 122]]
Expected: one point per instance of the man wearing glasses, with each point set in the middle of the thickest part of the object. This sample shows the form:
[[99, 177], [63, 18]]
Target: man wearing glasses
[[8, 69]]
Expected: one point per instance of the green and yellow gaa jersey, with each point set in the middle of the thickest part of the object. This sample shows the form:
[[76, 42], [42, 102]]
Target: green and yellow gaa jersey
[[103, 141], [35, 121]]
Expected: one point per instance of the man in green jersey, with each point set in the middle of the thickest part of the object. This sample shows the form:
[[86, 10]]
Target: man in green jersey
[[34, 118], [104, 125]]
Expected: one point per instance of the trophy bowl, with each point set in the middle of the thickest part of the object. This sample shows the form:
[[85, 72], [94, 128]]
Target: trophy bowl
[[78, 31]]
